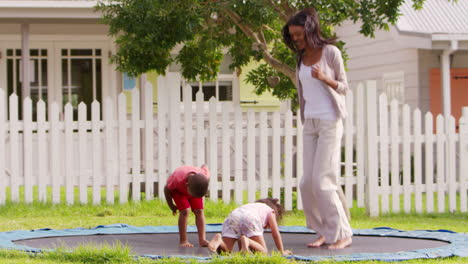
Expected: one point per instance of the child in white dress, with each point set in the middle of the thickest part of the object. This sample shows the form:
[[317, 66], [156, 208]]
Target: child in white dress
[[246, 224]]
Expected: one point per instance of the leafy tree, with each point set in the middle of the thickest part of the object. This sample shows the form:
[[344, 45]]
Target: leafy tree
[[146, 31]]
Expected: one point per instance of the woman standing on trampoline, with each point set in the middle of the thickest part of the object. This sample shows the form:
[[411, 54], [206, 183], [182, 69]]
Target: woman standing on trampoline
[[321, 85]]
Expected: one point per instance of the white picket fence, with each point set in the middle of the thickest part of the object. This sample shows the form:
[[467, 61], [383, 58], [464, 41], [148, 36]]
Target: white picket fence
[[108, 153], [252, 152], [402, 159]]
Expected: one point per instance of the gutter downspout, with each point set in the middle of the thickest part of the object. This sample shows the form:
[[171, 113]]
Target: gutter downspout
[[445, 59]]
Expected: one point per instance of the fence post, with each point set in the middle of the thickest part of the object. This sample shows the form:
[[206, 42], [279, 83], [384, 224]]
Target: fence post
[[161, 141], [149, 141], [2, 147], [463, 132], [14, 149], [371, 157], [360, 145], [173, 86]]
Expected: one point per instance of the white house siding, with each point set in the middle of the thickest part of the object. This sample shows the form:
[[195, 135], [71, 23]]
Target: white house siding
[[371, 58], [429, 59]]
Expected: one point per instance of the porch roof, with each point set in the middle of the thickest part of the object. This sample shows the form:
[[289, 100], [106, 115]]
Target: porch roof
[[48, 11], [436, 26]]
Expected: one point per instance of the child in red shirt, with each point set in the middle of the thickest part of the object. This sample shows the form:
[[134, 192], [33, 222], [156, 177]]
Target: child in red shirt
[[186, 187]]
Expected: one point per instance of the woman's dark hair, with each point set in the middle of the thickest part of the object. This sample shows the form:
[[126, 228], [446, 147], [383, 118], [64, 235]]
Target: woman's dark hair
[[275, 205], [307, 18]]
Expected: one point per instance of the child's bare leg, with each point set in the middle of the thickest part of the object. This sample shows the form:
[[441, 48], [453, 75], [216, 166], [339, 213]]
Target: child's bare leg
[[317, 243], [221, 244], [217, 244], [183, 219], [244, 244], [229, 243], [255, 243], [342, 243], [200, 223]]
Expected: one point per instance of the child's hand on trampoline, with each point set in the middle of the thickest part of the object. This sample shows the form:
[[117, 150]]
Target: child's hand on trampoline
[[286, 252]]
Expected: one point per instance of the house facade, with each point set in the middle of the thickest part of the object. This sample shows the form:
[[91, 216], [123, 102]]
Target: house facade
[[421, 61], [69, 58]]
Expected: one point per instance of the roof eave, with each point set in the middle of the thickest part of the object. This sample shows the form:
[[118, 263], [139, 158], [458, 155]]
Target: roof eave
[[411, 39], [435, 41]]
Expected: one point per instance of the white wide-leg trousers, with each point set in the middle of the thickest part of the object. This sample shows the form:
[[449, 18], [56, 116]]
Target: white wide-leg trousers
[[324, 210]]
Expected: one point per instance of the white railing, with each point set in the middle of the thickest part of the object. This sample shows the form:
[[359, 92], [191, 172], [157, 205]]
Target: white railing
[[246, 151]]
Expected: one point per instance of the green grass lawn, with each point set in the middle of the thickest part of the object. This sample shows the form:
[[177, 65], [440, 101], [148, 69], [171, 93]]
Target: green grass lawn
[[20, 216]]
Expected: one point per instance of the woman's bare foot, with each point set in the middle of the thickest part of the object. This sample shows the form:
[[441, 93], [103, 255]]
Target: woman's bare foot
[[185, 244], [213, 245], [245, 243], [342, 243], [317, 243]]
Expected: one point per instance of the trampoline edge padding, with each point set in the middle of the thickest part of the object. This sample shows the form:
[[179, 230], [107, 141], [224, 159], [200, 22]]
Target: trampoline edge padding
[[458, 242]]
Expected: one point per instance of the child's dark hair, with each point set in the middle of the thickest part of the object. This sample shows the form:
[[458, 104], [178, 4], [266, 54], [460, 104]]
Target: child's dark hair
[[275, 205], [197, 185]]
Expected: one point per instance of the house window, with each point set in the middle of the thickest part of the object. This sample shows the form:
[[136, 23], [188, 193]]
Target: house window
[[394, 86], [38, 76], [220, 89], [81, 77]]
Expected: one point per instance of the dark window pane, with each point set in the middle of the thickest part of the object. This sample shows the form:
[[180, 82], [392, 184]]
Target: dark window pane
[[43, 52], [81, 52], [10, 76], [12, 79], [44, 72], [225, 91], [18, 52], [98, 80], [208, 92], [9, 52], [64, 52], [81, 89], [195, 89], [98, 52], [37, 92], [64, 72]]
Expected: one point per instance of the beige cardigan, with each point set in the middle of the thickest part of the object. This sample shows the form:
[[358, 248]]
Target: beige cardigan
[[332, 65]]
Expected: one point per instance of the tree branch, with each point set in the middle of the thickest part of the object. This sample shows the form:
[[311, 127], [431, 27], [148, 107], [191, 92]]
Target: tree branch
[[289, 10], [247, 30], [283, 15], [262, 38], [273, 62]]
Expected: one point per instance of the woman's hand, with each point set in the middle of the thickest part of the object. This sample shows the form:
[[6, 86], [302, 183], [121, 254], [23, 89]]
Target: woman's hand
[[318, 74]]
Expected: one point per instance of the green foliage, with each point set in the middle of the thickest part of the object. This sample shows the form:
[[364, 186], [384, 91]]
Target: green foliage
[[147, 32]]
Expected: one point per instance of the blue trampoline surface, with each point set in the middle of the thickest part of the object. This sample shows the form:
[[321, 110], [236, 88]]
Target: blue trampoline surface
[[436, 243]]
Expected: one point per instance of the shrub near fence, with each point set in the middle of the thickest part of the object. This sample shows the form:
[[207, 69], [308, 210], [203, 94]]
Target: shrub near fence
[[253, 152]]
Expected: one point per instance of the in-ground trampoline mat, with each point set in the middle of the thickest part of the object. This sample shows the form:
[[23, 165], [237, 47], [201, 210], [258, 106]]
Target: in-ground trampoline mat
[[381, 243], [167, 244]]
